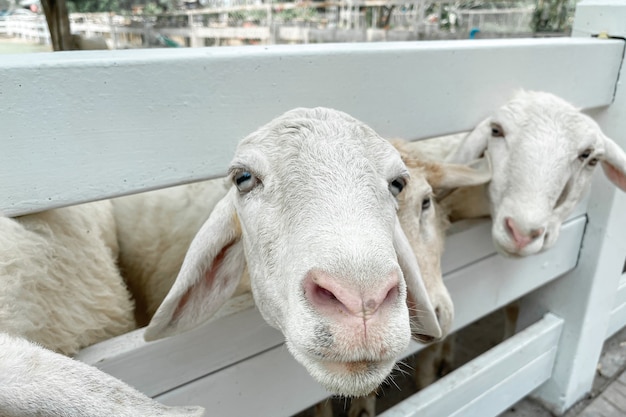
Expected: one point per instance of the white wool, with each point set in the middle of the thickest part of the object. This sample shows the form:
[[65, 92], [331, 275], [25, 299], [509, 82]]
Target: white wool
[[37, 382], [61, 291], [154, 230], [61, 286]]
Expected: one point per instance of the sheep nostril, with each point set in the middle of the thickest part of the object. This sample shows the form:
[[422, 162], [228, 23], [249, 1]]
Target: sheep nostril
[[438, 314], [323, 293], [337, 298], [536, 233], [520, 237]]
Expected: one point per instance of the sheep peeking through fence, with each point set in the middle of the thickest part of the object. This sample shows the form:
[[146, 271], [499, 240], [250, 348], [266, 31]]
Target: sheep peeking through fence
[[292, 166], [313, 208]]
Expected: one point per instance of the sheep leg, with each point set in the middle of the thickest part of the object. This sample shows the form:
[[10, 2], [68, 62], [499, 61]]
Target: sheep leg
[[434, 362], [37, 381], [511, 314], [324, 408], [363, 406]]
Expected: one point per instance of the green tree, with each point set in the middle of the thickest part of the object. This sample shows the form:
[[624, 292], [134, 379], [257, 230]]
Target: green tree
[[120, 6], [551, 16]]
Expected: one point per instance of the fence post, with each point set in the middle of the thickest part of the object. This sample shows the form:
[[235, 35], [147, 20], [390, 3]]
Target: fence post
[[585, 296], [113, 28]]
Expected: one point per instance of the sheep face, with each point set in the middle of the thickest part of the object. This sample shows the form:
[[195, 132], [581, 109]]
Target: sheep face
[[313, 212], [425, 225], [544, 152], [425, 222]]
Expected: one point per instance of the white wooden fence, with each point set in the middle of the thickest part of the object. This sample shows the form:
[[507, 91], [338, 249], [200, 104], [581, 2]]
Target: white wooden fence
[[31, 28], [78, 126]]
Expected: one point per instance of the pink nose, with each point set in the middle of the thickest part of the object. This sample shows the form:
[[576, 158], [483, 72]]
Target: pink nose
[[520, 238], [344, 301]]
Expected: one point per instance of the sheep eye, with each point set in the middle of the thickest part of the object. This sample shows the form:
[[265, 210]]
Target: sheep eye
[[245, 181], [497, 131], [593, 162], [426, 203], [396, 186], [585, 154]]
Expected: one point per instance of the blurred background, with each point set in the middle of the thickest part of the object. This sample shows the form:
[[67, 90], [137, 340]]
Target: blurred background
[[44, 25]]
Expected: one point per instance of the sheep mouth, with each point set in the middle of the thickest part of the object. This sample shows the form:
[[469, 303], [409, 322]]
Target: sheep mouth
[[354, 378], [346, 373], [422, 338], [512, 253], [350, 367]]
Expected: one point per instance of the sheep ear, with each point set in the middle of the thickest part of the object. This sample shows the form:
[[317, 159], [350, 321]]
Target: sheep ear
[[614, 163], [451, 176], [473, 145], [208, 277], [415, 284]]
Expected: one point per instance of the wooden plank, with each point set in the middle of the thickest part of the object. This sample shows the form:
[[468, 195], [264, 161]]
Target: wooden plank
[[594, 17], [240, 391], [159, 366], [85, 125], [483, 286], [617, 318], [496, 281], [513, 367], [492, 382], [470, 240]]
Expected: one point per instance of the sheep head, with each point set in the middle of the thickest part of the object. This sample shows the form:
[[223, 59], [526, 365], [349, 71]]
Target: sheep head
[[425, 221], [543, 152], [312, 214]]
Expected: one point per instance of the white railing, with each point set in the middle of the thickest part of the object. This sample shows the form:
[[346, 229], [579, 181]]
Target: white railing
[[120, 108], [30, 28]]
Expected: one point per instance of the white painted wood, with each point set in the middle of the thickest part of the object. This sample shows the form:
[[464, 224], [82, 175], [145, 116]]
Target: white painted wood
[[488, 384], [585, 297], [85, 125], [595, 17], [475, 243], [269, 384], [155, 368], [495, 281], [492, 382], [618, 313]]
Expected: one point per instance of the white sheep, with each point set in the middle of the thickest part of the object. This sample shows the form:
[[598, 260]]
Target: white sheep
[[155, 230], [61, 286], [543, 151], [425, 222], [61, 291], [312, 214], [35, 381]]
